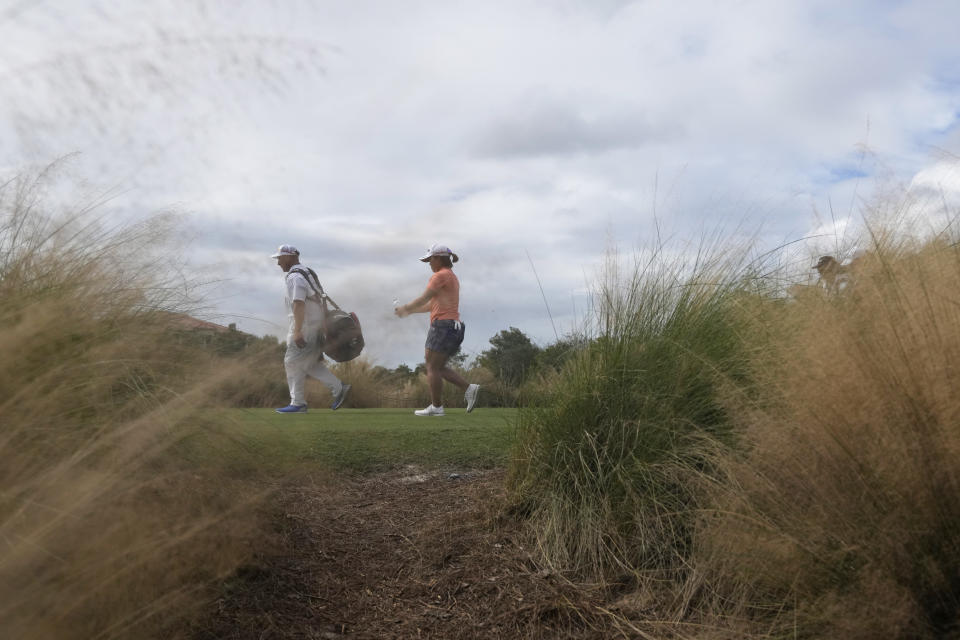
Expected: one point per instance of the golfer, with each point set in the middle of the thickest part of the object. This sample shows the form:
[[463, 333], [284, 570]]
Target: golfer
[[304, 355], [442, 300]]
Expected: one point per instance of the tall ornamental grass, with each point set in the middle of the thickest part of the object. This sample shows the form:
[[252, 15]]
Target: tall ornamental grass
[[598, 469], [784, 466], [840, 516], [103, 534]]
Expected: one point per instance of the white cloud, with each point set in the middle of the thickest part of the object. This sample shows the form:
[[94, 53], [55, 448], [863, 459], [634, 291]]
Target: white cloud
[[365, 131]]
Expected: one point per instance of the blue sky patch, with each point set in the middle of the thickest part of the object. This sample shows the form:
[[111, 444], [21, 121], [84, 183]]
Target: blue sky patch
[[842, 173]]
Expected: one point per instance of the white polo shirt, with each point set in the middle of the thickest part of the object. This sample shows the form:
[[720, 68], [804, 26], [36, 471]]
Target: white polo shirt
[[298, 289]]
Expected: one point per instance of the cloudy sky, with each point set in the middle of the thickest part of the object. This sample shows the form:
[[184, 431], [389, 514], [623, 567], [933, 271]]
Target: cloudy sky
[[529, 135]]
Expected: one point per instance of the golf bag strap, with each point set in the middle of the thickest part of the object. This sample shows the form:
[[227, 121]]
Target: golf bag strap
[[307, 273]]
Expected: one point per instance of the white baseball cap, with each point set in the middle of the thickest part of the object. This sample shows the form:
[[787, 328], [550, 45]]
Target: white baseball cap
[[286, 250], [439, 250]]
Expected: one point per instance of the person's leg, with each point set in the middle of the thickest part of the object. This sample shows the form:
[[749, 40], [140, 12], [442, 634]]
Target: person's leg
[[454, 377], [319, 371], [452, 341], [299, 362], [469, 390], [436, 363], [296, 378], [338, 390], [443, 339], [454, 338]]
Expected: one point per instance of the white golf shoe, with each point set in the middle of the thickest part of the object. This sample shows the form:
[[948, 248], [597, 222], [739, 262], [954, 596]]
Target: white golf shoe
[[470, 397], [430, 411]]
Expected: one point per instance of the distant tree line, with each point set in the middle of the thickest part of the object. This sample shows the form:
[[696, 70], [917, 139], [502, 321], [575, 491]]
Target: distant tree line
[[514, 357]]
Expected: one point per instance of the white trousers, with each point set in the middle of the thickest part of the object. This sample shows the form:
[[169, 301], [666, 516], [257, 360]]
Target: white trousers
[[307, 361]]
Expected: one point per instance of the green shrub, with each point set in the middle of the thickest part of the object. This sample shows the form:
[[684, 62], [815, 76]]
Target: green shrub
[[598, 466]]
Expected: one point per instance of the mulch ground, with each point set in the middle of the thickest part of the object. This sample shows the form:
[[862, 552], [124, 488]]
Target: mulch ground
[[409, 554]]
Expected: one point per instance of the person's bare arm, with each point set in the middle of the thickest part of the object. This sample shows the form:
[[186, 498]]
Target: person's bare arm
[[420, 305]]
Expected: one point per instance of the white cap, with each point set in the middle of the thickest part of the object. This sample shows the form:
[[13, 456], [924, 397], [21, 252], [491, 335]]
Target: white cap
[[286, 250], [439, 250]]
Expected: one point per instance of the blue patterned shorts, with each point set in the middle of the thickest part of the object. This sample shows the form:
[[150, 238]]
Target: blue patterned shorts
[[445, 336]]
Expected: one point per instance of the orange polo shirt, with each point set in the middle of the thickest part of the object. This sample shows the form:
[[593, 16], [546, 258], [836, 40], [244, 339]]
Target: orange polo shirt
[[445, 303]]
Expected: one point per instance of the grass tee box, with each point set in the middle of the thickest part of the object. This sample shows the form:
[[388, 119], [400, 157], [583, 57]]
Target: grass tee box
[[353, 440]]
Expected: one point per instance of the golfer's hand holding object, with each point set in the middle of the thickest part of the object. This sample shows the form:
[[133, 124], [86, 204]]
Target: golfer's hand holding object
[[298, 339], [400, 311]]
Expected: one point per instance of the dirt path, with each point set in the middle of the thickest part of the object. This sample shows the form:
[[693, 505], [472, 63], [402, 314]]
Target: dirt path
[[404, 555]]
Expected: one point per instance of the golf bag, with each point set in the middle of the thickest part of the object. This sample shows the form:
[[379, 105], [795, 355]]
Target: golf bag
[[342, 338]]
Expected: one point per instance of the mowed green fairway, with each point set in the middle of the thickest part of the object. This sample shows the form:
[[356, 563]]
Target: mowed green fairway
[[350, 440]]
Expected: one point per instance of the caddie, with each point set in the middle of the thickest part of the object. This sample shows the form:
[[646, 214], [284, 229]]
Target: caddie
[[304, 355]]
